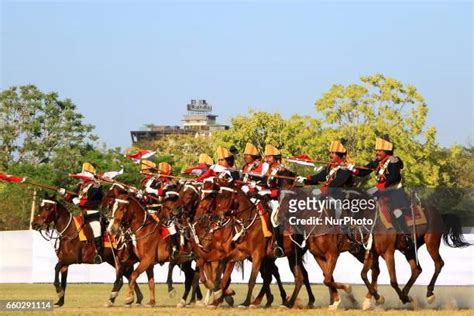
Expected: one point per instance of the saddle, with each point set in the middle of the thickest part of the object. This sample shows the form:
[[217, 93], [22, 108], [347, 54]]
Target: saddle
[[86, 235], [386, 216]]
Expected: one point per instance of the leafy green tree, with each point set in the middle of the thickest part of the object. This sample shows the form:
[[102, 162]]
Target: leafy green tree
[[35, 125], [294, 135], [382, 105]]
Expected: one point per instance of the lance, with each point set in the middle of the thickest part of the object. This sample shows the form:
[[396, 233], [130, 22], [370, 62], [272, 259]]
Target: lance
[[112, 181], [311, 163], [16, 179], [166, 176]]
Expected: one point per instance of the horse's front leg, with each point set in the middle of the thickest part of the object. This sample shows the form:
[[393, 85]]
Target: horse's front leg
[[60, 285], [256, 264], [169, 280], [151, 286], [142, 266]]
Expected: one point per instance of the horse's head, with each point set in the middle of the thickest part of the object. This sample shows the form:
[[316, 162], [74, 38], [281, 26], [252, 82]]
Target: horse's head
[[109, 198], [286, 184], [227, 199], [187, 201], [169, 200], [47, 213], [120, 214], [207, 199]]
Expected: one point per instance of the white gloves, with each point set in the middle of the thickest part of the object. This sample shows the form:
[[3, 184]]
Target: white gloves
[[318, 168], [62, 191], [300, 179], [351, 168]]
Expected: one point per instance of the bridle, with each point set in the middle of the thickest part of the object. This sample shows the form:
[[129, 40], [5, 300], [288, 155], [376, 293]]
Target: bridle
[[49, 220]]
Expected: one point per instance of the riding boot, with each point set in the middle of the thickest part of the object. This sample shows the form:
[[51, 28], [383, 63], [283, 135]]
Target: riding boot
[[174, 246], [403, 229], [354, 246], [99, 245], [278, 242]]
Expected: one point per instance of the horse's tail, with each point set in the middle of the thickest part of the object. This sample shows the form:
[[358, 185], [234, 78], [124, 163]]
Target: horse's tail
[[452, 235]]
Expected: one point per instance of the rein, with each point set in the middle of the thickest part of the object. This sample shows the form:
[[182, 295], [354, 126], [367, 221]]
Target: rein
[[49, 237]]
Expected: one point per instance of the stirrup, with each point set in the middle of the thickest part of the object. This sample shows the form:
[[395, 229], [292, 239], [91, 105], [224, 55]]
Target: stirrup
[[97, 259], [279, 252], [408, 243]]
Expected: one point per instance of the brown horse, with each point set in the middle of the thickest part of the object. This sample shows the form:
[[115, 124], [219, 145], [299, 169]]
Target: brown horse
[[268, 267], [386, 241], [221, 244], [73, 251], [323, 241], [151, 247]]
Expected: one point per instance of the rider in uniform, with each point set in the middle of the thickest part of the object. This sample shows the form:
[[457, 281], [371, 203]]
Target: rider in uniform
[[273, 159], [225, 166], [334, 176], [388, 169], [155, 190], [89, 196], [204, 163], [253, 163]]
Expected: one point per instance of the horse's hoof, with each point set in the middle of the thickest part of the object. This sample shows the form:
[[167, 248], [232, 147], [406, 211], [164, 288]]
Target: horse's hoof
[[283, 306], [298, 304], [269, 301], [138, 305], [172, 293], [367, 305], [348, 288], [380, 301], [129, 300], [334, 305], [181, 304], [199, 304], [150, 304], [58, 304], [127, 305], [229, 300], [211, 306], [253, 306], [310, 305], [431, 299], [109, 304], [242, 306]]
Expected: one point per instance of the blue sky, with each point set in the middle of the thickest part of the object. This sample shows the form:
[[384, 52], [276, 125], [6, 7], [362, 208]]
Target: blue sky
[[126, 64]]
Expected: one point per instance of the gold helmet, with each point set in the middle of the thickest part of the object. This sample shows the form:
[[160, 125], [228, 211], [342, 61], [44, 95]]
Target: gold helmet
[[164, 168], [250, 149], [271, 150], [222, 153], [88, 167], [337, 147], [383, 144], [147, 165], [204, 158]]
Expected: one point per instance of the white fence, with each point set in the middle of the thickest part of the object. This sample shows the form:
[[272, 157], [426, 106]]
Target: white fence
[[25, 257]]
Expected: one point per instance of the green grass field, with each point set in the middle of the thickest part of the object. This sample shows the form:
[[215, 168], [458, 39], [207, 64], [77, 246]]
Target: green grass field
[[88, 299]]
